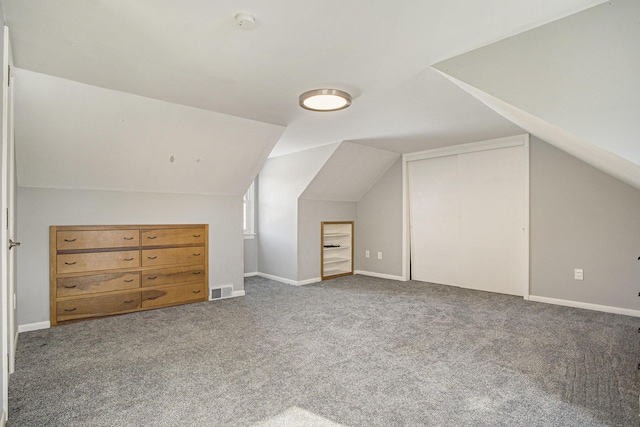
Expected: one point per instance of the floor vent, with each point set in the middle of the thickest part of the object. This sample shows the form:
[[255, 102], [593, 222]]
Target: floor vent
[[220, 293]]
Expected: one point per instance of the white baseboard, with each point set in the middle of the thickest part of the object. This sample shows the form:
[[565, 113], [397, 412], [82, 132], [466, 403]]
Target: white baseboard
[[586, 306], [308, 281], [238, 294], [289, 281], [277, 278], [380, 275], [33, 326], [3, 418], [255, 273]]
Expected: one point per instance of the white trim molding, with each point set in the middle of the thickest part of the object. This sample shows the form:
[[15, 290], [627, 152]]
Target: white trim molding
[[33, 326], [586, 306], [289, 281], [380, 275], [277, 278], [308, 281], [238, 294], [252, 274]]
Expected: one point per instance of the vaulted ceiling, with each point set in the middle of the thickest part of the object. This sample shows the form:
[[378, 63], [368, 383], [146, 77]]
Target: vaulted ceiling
[[191, 52], [497, 62]]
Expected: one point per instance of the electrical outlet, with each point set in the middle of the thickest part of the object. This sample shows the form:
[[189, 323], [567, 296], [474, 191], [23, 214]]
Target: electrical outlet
[[578, 274], [367, 254], [379, 255]]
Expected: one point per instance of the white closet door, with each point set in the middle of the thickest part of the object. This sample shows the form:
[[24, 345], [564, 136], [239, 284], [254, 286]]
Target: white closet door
[[433, 194], [492, 253], [467, 218]]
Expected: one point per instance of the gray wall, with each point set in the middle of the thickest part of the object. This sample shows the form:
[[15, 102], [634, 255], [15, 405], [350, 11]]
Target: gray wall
[[282, 181], [310, 214], [379, 224], [251, 255], [40, 208], [582, 218]]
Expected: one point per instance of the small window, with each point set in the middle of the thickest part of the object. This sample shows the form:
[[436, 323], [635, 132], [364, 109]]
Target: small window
[[249, 212]]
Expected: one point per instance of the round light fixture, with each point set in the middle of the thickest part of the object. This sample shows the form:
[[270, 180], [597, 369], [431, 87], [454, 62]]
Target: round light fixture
[[325, 100]]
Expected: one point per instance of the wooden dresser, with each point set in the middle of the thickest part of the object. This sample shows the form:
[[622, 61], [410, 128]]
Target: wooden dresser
[[112, 269]]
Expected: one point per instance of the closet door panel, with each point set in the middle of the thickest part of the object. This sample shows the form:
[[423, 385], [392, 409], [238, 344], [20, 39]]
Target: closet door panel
[[491, 236], [434, 211]]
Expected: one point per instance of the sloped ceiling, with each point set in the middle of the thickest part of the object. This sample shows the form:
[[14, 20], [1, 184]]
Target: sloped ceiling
[[190, 52], [349, 173], [74, 136], [573, 82]]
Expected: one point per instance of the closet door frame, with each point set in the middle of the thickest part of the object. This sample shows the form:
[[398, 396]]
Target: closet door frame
[[511, 141]]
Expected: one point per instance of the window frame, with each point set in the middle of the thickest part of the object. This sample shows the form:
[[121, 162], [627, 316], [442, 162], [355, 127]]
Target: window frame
[[248, 212]]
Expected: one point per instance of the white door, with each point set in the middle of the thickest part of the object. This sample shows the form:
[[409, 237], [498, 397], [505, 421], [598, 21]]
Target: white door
[[11, 212], [434, 210], [467, 216], [491, 194], [7, 198]]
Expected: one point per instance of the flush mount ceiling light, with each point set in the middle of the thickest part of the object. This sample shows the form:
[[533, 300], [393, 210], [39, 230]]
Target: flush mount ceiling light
[[325, 100]]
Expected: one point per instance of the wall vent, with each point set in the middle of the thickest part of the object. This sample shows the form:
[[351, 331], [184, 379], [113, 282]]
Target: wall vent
[[221, 293]]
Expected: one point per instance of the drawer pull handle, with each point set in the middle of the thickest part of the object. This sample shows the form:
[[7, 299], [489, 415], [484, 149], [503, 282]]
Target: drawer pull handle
[[196, 272], [69, 287], [128, 259], [152, 278], [151, 237], [197, 235], [197, 292], [70, 263], [69, 240], [196, 254], [129, 301], [152, 297], [70, 310], [128, 281], [128, 238], [152, 257]]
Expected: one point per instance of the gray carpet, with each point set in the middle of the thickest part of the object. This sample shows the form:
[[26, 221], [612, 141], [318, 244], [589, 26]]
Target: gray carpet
[[354, 351]]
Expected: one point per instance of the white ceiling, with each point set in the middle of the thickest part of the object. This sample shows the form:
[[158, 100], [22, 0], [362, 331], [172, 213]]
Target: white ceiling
[[70, 135], [572, 82], [349, 173], [190, 52]]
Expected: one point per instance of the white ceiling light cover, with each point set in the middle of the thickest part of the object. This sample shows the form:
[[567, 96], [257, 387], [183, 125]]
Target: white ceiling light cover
[[325, 100]]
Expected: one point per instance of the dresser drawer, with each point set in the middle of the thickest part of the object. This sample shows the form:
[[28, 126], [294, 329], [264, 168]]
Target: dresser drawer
[[79, 285], [96, 239], [173, 295], [167, 256], [168, 276], [173, 236], [97, 306], [74, 263]]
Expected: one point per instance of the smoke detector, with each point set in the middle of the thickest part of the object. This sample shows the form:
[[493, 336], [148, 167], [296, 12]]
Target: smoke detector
[[245, 20]]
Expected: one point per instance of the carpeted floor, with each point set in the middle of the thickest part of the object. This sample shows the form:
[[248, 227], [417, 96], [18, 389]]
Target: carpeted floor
[[355, 351]]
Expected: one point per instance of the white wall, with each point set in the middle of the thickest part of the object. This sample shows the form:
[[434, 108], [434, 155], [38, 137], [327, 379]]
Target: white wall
[[282, 181], [39, 208], [379, 225], [579, 74], [582, 218], [310, 214], [349, 173], [72, 135]]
